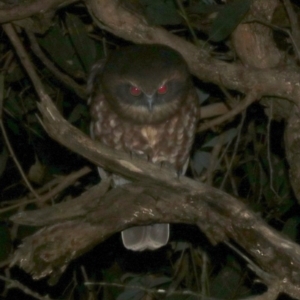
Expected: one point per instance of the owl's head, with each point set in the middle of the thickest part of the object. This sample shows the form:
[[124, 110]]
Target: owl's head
[[145, 83]]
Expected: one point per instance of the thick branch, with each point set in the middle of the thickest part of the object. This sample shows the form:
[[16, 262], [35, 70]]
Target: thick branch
[[165, 198], [22, 11], [162, 198], [129, 25]]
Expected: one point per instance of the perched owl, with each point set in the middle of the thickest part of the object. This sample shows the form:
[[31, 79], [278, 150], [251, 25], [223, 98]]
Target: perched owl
[[143, 102]]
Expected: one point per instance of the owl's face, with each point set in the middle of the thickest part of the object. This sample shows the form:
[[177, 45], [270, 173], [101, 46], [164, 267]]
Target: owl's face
[[146, 83]]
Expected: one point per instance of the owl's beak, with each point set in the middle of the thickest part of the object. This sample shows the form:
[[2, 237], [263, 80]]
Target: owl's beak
[[150, 100]]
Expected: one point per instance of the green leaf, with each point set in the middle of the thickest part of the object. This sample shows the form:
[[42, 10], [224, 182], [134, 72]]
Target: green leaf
[[13, 126], [291, 227], [228, 18], [227, 138], [201, 160], [60, 48], [77, 113], [3, 160], [5, 242], [205, 8], [17, 106], [84, 46], [161, 12]]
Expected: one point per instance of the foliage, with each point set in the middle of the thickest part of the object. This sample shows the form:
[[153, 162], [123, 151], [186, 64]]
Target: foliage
[[243, 156]]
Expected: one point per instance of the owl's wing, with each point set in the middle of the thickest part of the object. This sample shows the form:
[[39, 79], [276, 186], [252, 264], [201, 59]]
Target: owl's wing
[[148, 237]]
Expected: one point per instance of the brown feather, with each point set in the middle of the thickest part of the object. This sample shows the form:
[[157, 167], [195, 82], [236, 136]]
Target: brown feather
[[169, 141]]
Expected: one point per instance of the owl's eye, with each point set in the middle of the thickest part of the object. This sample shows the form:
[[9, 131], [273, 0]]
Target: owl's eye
[[135, 91], [162, 89]]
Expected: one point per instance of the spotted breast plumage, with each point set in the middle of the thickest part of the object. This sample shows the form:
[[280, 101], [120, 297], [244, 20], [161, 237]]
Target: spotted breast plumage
[[143, 102]]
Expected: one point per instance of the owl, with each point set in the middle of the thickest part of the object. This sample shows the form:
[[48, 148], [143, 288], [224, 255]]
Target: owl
[[142, 101]]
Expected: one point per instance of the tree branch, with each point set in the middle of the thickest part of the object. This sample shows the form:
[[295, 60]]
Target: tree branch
[[130, 26], [155, 196], [22, 11]]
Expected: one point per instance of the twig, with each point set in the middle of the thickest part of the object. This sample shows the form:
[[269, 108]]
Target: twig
[[25, 59], [11, 284], [235, 149], [213, 163], [232, 180], [249, 99], [294, 24], [196, 275], [8, 144], [213, 110], [79, 90], [268, 278], [45, 188], [150, 291], [271, 294], [64, 183], [271, 170], [22, 11], [187, 21], [204, 274]]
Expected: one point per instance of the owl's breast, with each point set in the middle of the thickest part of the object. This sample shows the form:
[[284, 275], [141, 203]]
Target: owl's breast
[[151, 135], [169, 141]]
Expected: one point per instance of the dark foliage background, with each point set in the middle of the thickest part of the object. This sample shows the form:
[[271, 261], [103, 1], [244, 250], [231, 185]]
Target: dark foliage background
[[244, 156]]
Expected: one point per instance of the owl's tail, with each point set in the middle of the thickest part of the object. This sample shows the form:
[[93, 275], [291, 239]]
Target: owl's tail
[[148, 237]]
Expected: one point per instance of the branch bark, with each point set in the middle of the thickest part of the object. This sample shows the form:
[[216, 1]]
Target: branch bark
[[18, 12], [156, 195], [130, 26], [121, 22]]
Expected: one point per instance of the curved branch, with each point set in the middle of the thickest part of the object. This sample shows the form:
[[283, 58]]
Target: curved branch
[[131, 26], [165, 198], [249, 99], [22, 11], [156, 195]]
